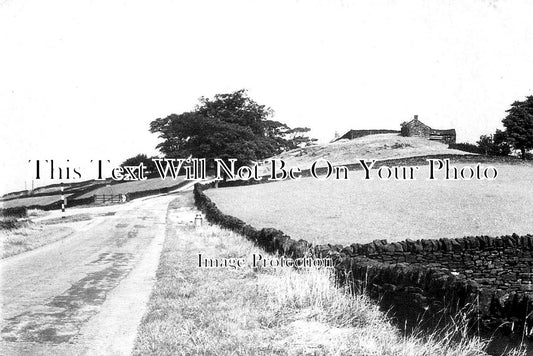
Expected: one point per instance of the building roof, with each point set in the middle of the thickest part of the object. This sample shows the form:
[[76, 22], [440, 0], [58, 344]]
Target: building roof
[[413, 121], [433, 131], [360, 133]]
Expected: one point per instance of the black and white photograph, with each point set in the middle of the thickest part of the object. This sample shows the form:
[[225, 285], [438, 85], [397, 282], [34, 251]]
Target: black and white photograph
[[297, 177]]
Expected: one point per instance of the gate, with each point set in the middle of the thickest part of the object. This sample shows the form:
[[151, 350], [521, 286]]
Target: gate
[[110, 198]]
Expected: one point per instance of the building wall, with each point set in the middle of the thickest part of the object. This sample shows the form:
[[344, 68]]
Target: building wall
[[446, 138], [416, 128]]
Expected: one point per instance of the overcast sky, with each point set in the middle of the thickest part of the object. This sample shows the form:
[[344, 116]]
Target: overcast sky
[[82, 80]]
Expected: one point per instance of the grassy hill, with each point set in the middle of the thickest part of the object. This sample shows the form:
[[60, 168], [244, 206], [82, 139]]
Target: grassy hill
[[357, 210], [382, 146]]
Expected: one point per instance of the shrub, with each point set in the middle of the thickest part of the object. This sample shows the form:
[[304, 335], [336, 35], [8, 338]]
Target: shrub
[[465, 146], [16, 212], [494, 145], [10, 223]]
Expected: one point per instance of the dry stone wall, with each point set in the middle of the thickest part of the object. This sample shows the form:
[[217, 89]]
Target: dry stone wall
[[504, 263], [491, 275]]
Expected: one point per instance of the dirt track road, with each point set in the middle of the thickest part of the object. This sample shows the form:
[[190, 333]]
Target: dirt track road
[[85, 294]]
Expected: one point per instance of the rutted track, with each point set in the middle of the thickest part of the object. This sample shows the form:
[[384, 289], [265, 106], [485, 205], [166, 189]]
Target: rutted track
[[66, 299]]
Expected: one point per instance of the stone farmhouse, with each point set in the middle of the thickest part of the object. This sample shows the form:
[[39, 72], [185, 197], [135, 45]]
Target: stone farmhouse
[[414, 127]]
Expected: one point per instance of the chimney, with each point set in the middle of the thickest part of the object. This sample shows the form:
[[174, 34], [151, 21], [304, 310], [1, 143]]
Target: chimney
[[416, 117]]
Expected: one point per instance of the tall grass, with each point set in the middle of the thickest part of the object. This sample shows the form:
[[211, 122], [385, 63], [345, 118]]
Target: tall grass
[[312, 298], [271, 311]]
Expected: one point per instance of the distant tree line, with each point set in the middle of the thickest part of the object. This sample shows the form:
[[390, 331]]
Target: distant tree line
[[517, 135]]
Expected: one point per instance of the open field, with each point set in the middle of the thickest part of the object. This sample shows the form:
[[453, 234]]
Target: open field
[[32, 201], [135, 186], [69, 187], [284, 311], [357, 210], [114, 189]]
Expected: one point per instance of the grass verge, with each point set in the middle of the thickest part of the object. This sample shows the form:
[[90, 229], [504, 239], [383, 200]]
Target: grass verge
[[17, 236], [67, 219], [250, 311]]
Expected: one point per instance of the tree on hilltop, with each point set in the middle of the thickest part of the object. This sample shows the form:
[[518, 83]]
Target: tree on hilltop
[[519, 125], [227, 126]]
